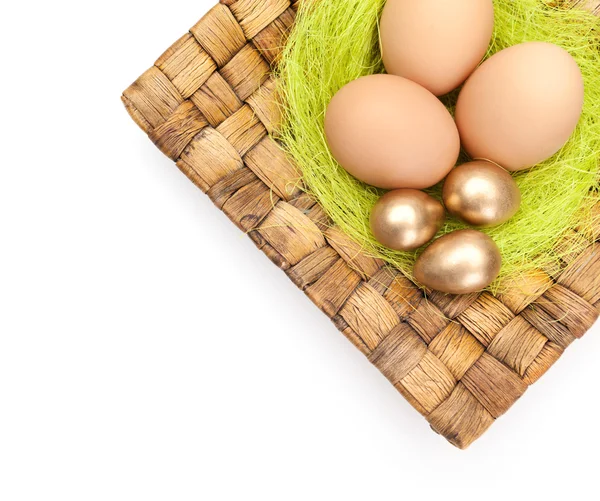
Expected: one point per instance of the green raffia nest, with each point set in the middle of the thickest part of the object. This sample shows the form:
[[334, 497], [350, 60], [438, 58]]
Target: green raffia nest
[[337, 41]]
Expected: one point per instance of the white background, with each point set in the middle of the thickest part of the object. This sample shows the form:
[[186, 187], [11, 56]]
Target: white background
[[147, 349]]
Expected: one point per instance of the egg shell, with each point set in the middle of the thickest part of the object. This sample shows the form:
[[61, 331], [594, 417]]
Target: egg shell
[[391, 133], [521, 106], [436, 43], [460, 262]]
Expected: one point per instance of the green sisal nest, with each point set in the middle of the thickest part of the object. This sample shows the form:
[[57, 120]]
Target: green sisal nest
[[337, 41]]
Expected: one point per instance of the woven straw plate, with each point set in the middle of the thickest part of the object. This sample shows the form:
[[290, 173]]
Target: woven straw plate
[[209, 104]]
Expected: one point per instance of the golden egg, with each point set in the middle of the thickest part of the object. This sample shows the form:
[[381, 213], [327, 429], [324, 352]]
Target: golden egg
[[406, 219], [481, 193], [460, 262]]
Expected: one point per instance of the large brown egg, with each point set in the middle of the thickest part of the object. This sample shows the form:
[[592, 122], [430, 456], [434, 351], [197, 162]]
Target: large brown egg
[[481, 193], [406, 219], [460, 262], [435, 43], [391, 133], [520, 106]]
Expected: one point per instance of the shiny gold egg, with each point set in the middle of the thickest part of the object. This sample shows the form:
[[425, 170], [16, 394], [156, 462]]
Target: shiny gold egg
[[460, 262], [406, 219], [481, 193]]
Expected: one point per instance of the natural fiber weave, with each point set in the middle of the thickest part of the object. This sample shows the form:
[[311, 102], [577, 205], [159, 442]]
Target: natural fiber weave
[[209, 104]]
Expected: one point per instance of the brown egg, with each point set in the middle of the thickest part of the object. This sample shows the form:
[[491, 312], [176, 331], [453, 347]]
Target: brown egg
[[391, 133], [460, 262], [406, 219], [520, 106], [436, 44], [481, 193]]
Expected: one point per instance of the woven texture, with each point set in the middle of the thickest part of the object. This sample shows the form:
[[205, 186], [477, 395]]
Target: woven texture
[[209, 103]]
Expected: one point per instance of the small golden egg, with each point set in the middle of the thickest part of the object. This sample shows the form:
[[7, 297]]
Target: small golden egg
[[406, 219], [481, 193], [460, 262]]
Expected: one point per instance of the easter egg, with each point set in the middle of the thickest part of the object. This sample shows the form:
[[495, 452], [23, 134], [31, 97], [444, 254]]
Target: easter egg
[[521, 105], [460, 262], [481, 194], [406, 219], [434, 43], [391, 133]]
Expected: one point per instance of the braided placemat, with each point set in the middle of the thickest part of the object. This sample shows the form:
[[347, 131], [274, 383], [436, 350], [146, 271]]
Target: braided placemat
[[209, 104]]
